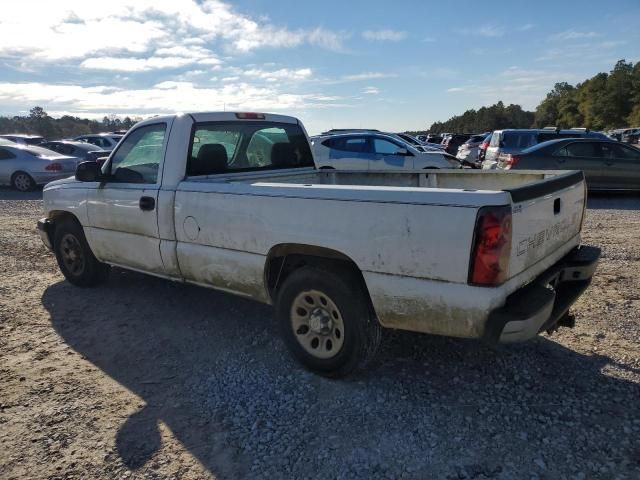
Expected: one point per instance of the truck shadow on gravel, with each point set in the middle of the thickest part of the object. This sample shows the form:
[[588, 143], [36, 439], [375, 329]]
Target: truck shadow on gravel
[[212, 368]]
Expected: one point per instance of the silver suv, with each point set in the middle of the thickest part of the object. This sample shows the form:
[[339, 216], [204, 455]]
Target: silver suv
[[512, 141]]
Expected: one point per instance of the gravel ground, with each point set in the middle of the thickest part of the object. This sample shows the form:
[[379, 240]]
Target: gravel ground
[[144, 378]]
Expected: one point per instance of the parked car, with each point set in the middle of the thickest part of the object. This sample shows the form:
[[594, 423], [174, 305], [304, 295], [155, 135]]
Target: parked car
[[25, 166], [607, 164], [482, 149], [82, 151], [452, 142], [516, 140], [340, 255], [22, 139], [374, 151], [468, 152], [435, 139], [415, 143], [631, 135], [107, 141]]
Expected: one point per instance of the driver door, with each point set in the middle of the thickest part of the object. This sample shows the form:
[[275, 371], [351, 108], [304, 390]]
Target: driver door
[[123, 219], [387, 158]]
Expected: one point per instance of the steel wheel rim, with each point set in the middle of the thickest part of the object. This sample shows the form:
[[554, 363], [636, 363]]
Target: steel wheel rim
[[317, 324], [72, 254], [22, 182]]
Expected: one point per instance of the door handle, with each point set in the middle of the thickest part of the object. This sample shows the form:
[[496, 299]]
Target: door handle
[[147, 203], [608, 163]]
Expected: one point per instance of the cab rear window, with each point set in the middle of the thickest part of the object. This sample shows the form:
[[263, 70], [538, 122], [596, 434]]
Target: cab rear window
[[221, 147]]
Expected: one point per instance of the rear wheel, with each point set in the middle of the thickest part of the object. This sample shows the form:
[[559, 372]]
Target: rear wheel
[[326, 322], [75, 258], [22, 182]]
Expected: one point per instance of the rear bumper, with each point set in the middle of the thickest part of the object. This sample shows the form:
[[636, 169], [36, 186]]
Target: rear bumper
[[541, 304], [45, 229]]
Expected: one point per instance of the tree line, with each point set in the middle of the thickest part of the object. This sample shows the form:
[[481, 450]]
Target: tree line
[[602, 102], [38, 122]]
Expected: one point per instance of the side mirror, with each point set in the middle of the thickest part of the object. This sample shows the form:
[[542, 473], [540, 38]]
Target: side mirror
[[89, 172], [402, 151]]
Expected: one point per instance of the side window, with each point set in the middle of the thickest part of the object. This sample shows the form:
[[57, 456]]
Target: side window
[[561, 152], [494, 140], [355, 144], [247, 146], [65, 149], [138, 158], [583, 149], [384, 147], [621, 151], [6, 154]]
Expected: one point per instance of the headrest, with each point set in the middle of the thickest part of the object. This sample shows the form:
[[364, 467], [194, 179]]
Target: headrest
[[283, 155], [212, 158]]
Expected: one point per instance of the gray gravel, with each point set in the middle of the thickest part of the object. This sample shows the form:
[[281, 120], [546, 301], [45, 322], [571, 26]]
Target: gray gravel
[[151, 379]]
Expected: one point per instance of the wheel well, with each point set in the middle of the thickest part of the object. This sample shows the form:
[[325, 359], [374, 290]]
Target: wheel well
[[283, 259], [57, 217], [13, 175]]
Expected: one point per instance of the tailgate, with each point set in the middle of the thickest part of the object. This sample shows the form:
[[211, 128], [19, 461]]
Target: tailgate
[[546, 216]]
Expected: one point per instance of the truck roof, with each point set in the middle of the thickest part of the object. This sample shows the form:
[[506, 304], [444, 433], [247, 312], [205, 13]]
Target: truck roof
[[224, 117]]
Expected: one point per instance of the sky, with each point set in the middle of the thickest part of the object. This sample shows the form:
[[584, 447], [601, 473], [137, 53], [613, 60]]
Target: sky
[[334, 64]]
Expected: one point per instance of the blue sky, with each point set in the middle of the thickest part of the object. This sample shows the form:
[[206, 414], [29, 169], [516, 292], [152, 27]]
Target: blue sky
[[394, 66]]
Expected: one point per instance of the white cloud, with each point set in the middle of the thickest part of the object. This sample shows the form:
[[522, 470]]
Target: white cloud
[[526, 27], [281, 74], [455, 89], [371, 91], [326, 38], [164, 97], [384, 35], [489, 31], [142, 64], [573, 35], [366, 76], [38, 31]]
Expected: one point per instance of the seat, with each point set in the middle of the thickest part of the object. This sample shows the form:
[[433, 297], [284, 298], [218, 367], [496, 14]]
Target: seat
[[212, 158], [283, 155]]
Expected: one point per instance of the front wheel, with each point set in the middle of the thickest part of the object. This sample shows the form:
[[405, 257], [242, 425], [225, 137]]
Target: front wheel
[[326, 322], [75, 258], [23, 182]]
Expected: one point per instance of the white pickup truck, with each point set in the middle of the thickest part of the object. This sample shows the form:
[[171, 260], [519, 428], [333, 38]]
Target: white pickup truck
[[232, 201]]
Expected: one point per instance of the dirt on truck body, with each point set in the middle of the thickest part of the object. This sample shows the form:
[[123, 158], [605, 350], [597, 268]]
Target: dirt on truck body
[[146, 378]]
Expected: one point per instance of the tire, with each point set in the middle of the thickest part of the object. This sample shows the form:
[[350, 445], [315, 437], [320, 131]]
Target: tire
[[23, 182], [326, 321], [75, 258]]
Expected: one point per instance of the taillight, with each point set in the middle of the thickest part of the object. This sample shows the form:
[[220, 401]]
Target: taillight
[[492, 247], [510, 161], [54, 167], [250, 116], [484, 146]]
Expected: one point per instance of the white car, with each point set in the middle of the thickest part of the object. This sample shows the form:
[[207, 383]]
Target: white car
[[468, 152], [374, 151], [232, 201]]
